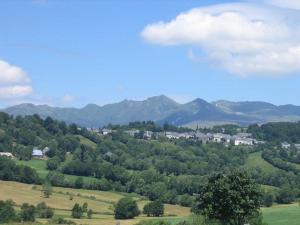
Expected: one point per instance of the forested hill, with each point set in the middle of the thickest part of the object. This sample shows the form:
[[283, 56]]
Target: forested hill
[[168, 170]]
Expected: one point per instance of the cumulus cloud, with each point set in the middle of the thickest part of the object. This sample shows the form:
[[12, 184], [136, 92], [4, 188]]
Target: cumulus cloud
[[10, 74], [244, 38], [14, 82], [17, 91], [67, 98]]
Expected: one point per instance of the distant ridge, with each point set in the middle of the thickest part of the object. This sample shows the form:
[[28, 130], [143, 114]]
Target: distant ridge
[[162, 109]]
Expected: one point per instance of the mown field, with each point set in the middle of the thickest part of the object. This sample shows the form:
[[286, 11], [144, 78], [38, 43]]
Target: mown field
[[102, 203]]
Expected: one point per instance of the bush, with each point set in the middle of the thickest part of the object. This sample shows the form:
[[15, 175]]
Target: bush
[[47, 190], [155, 208], [79, 182], [149, 222], [90, 213], [27, 213], [7, 211], [268, 199], [126, 208], [77, 211], [43, 211], [285, 196], [63, 221], [53, 163]]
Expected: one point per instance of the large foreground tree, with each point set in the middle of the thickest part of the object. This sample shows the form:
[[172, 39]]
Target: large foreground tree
[[231, 199]]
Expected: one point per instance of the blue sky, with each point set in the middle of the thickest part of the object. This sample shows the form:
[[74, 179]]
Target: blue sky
[[71, 54]]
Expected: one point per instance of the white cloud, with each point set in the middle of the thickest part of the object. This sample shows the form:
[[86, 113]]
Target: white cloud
[[13, 92], [14, 82], [10, 74], [245, 39], [67, 98]]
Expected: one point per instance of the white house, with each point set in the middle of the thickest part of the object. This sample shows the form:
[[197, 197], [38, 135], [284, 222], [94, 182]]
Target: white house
[[148, 134], [220, 138], [243, 141], [172, 135], [106, 131], [285, 145], [37, 154], [7, 154]]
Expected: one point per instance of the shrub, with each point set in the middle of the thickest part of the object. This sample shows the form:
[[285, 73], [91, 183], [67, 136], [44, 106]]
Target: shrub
[[126, 208], [77, 211], [7, 211], [155, 208], [43, 211], [27, 213]]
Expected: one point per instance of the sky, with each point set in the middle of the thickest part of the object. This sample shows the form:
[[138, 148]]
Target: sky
[[72, 53]]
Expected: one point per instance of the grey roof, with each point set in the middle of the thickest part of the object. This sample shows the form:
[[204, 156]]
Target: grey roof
[[37, 152]]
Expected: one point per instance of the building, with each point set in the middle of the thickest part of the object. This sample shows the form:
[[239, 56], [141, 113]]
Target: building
[[285, 145], [297, 146], [221, 138], [201, 137], [132, 133], [172, 135], [7, 154], [37, 154], [148, 134], [243, 141], [106, 131]]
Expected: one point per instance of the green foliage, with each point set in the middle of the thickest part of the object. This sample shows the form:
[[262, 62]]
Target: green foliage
[[126, 208], [268, 199], [155, 209], [63, 221], [90, 213], [7, 212], [11, 172], [43, 211], [53, 163], [77, 211], [79, 182], [47, 189], [285, 196], [85, 207], [230, 198], [27, 213], [278, 132]]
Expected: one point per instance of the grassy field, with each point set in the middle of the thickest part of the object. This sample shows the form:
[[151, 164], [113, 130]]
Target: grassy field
[[41, 169], [86, 141], [101, 203], [282, 215], [256, 161]]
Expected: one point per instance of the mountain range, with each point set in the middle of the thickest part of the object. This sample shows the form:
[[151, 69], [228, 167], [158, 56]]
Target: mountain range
[[162, 109]]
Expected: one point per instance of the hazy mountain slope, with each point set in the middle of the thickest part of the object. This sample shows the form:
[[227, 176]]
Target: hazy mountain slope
[[260, 110], [163, 109], [154, 108], [201, 111]]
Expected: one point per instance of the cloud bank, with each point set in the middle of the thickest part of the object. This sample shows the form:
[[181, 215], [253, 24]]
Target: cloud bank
[[14, 82], [247, 39]]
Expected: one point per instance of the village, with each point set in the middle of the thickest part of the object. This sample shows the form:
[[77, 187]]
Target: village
[[237, 139]]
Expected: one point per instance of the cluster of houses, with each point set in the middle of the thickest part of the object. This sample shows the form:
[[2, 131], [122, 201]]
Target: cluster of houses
[[286, 145], [238, 139]]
